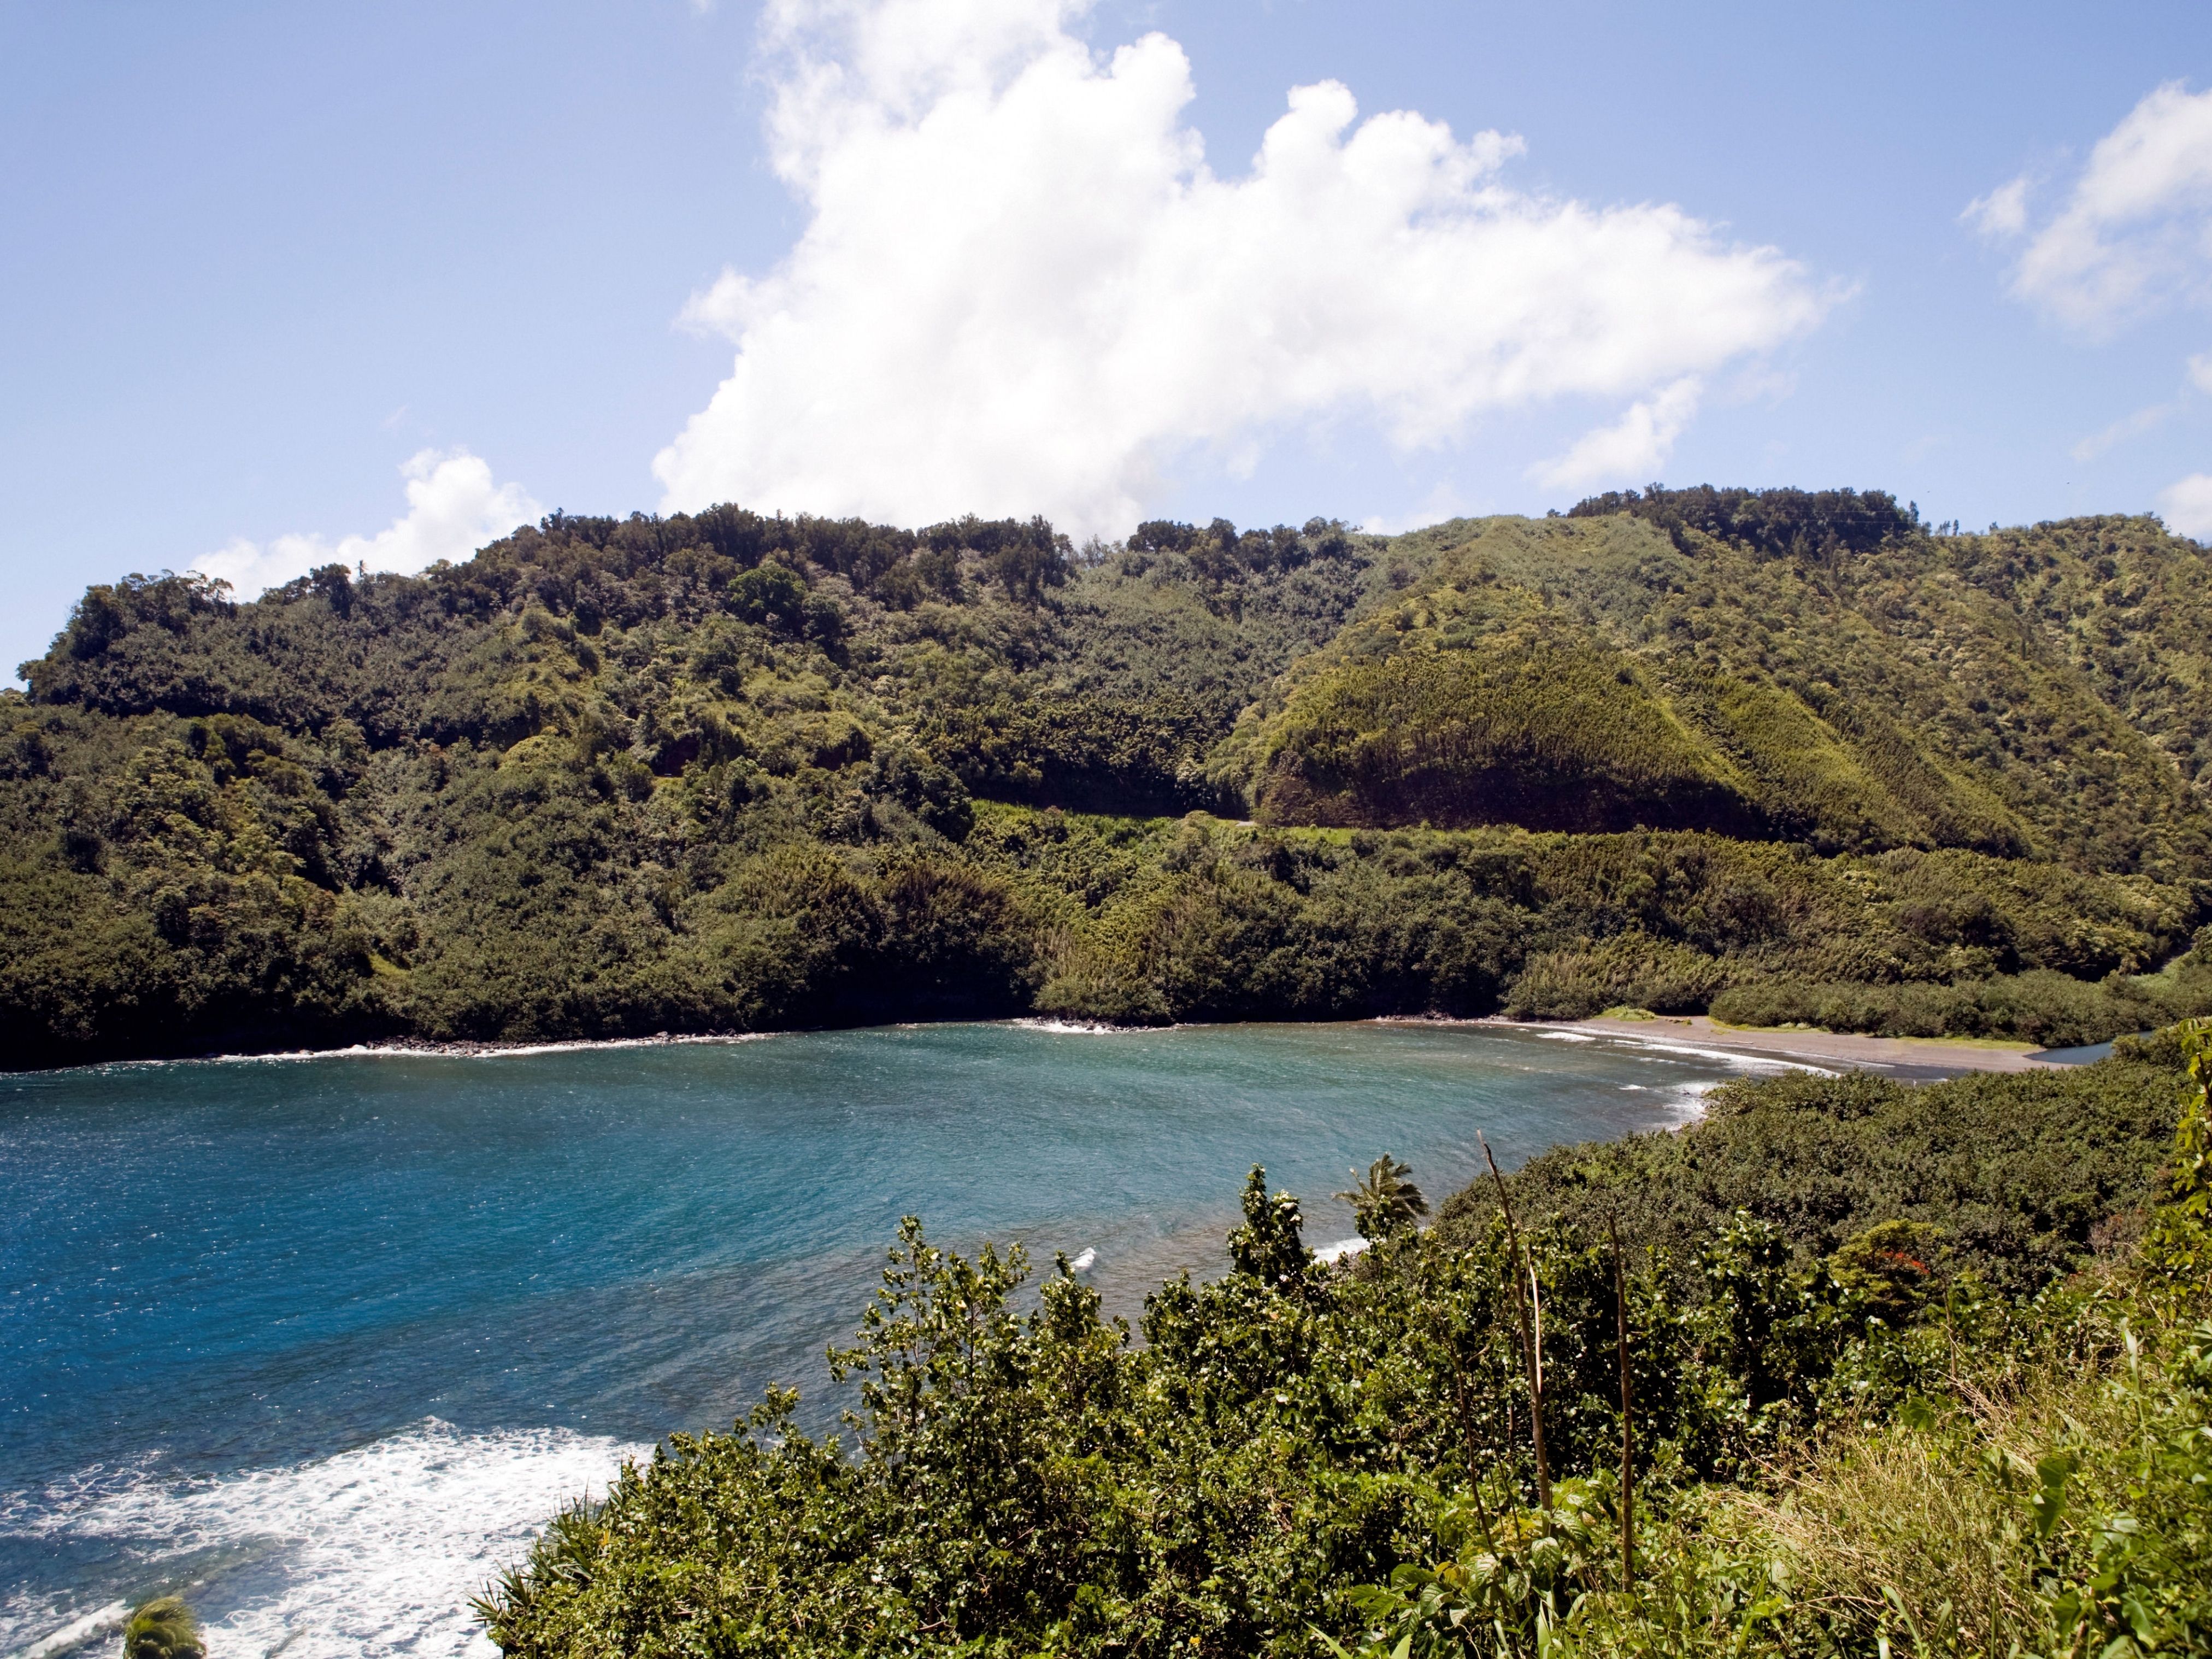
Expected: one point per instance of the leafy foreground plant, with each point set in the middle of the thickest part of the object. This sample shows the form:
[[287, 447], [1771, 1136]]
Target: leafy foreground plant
[[1870, 1452], [1384, 1201], [163, 1628]]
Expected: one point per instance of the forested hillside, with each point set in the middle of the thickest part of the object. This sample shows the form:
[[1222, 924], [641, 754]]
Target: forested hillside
[[1780, 755]]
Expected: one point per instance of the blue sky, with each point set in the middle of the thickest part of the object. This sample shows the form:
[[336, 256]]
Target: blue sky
[[282, 283]]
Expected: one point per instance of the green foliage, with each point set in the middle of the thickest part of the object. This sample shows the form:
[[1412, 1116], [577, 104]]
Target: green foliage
[[2138, 1578], [1087, 753], [1813, 668], [1385, 1202], [1824, 524], [1268, 1247], [1890, 1269], [2018, 1171], [717, 771], [2179, 1246], [1629, 969], [1550, 735], [1509, 1586], [1856, 1427], [163, 1628], [2041, 1007]]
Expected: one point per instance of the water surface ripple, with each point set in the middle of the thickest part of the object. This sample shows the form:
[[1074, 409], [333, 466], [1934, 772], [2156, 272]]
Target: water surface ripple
[[325, 1338]]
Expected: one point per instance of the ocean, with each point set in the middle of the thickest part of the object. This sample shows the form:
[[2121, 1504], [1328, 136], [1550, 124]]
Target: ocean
[[320, 1341]]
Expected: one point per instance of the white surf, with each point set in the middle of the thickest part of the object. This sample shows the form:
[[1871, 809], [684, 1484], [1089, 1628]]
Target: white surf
[[372, 1552]]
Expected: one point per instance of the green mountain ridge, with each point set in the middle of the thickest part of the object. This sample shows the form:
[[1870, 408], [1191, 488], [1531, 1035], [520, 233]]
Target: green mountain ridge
[[1903, 696], [1776, 752]]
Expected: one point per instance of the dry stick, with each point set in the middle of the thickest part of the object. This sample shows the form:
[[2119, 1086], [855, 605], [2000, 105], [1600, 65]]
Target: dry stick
[[1536, 1321], [1530, 1362], [1466, 1433], [1627, 1429]]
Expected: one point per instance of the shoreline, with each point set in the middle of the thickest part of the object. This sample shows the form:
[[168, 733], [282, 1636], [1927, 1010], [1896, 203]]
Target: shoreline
[[1846, 1049], [425, 1048], [1818, 1049]]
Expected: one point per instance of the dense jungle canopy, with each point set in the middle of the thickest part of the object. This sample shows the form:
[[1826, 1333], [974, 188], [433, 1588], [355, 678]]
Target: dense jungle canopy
[[1781, 755]]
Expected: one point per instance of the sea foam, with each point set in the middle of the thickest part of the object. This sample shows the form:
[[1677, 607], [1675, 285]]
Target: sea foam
[[375, 1550]]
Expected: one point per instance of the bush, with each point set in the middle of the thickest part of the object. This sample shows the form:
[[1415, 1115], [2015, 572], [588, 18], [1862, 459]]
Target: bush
[[2041, 1007], [1915, 1437], [1632, 969]]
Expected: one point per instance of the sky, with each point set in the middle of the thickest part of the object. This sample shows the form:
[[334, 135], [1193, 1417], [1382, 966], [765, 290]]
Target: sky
[[280, 284]]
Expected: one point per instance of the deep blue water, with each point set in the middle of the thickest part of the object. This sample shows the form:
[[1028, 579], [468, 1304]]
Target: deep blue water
[[323, 1338]]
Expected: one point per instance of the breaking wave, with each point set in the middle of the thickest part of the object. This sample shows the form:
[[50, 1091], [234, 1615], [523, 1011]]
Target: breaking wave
[[372, 1552]]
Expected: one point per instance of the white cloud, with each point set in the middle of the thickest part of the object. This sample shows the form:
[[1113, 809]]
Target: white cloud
[[1021, 288], [453, 508], [2129, 426], [2186, 507], [1633, 448], [2136, 231], [2200, 371], [2003, 212], [1444, 500]]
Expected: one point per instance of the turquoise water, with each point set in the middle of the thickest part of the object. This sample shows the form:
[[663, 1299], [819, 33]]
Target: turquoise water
[[323, 1338]]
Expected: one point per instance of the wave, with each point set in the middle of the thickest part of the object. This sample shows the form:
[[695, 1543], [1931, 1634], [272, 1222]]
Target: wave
[[373, 1552], [1082, 1027], [1741, 1060], [78, 1632], [1684, 1102], [479, 1050], [1737, 1058], [1687, 1101], [432, 1051]]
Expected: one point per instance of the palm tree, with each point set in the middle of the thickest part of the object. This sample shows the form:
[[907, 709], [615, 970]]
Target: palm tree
[[163, 1629], [1385, 1202]]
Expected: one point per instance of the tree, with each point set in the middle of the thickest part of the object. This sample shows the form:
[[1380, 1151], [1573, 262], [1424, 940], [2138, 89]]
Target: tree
[[1386, 1202], [163, 1629], [1267, 1245]]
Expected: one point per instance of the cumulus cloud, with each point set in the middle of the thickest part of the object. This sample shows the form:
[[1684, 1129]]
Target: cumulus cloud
[[2130, 426], [2186, 507], [453, 508], [1021, 288], [2003, 212], [2135, 232], [1634, 447]]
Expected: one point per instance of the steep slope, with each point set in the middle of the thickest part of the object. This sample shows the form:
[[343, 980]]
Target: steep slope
[[723, 771], [1916, 691]]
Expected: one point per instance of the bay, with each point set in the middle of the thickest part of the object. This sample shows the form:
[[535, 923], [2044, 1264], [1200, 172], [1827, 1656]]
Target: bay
[[323, 1339]]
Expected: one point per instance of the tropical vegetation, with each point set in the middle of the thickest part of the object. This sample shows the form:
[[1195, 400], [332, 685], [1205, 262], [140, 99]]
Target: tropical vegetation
[[163, 1628], [1852, 1367], [1788, 757]]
